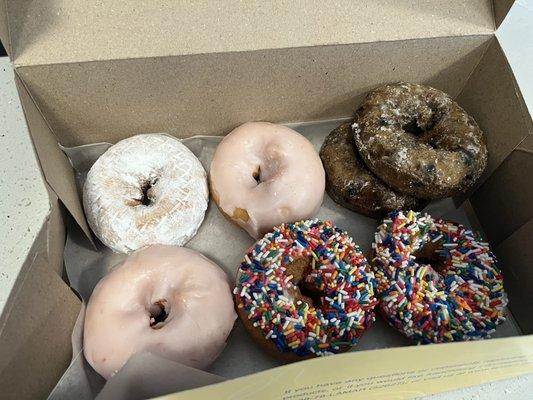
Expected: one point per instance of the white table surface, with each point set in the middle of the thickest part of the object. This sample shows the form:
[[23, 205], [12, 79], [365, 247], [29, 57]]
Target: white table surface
[[24, 200], [23, 197]]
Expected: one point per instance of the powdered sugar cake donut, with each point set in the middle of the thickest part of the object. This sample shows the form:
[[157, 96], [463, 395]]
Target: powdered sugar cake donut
[[147, 189]]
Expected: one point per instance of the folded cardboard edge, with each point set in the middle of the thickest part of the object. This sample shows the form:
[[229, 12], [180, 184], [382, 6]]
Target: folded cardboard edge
[[503, 202], [56, 238], [511, 254], [27, 321], [493, 80], [55, 165], [527, 145], [4, 27], [500, 9]]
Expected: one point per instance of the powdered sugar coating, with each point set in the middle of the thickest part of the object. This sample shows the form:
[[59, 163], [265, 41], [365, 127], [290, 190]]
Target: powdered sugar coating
[[147, 189]]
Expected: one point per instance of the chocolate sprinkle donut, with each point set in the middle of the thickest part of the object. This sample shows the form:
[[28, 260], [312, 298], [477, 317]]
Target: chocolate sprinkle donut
[[351, 184], [419, 141]]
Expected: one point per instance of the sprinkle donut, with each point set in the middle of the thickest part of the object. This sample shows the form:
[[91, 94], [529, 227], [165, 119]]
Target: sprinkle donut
[[437, 281], [305, 289]]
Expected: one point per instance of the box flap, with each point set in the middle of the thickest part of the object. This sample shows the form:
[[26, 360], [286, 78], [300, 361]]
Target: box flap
[[42, 309], [54, 163], [514, 254], [501, 8], [491, 86], [61, 31], [503, 203], [212, 93]]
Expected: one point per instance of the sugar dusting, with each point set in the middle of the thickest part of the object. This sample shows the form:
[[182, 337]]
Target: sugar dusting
[[177, 193]]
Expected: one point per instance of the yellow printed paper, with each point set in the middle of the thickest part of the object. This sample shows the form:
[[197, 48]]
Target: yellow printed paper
[[399, 373]]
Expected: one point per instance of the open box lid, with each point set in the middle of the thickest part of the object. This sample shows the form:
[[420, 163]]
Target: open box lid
[[63, 31]]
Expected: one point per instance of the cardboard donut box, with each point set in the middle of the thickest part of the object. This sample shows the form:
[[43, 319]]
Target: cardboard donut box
[[92, 72]]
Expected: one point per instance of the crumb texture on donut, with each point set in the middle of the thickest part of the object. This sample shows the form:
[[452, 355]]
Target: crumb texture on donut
[[437, 280], [419, 141], [144, 190], [351, 184], [265, 174], [304, 290], [168, 300]]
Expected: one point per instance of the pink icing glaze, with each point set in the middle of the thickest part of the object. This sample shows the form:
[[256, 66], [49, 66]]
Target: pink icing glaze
[[196, 297], [291, 177]]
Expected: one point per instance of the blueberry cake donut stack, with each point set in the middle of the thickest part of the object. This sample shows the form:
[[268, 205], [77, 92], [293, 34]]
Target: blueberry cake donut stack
[[407, 143]]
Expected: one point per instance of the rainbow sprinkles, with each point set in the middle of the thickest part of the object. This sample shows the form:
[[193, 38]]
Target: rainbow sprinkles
[[337, 277], [460, 297]]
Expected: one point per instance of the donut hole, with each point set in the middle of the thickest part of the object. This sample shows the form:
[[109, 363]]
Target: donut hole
[[159, 312], [310, 294], [300, 268], [421, 134], [271, 167], [257, 174], [413, 128], [429, 255], [146, 195]]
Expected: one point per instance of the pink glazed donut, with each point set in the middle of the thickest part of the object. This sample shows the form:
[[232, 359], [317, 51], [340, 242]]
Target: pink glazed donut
[[168, 300], [263, 175]]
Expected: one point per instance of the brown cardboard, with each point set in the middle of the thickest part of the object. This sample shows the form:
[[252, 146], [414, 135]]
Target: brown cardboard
[[62, 31], [4, 30], [503, 202], [501, 8], [526, 145], [212, 93], [514, 255], [55, 165], [35, 328], [56, 234], [492, 96]]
